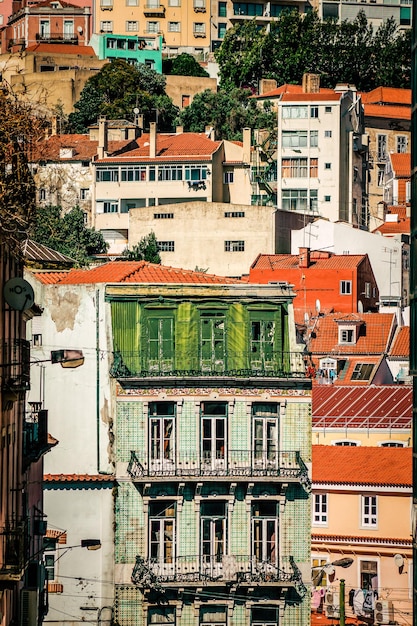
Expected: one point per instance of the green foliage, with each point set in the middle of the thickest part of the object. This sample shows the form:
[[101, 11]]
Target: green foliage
[[145, 250], [349, 52], [118, 89], [228, 112], [184, 65], [67, 234]]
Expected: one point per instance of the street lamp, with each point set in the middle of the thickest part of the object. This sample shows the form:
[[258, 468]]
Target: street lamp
[[66, 358], [317, 578]]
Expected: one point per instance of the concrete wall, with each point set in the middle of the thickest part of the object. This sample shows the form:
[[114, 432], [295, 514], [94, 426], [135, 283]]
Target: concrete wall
[[179, 86]]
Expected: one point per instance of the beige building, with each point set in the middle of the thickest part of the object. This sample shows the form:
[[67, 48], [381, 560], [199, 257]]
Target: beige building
[[361, 511]]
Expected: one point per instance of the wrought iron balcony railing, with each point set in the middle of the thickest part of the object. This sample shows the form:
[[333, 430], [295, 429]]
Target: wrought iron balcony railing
[[35, 435], [282, 365], [57, 38], [235, 463], [15, 365], [13, 549]]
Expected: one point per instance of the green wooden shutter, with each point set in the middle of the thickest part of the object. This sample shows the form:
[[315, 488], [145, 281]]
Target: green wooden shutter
[[237, 337], [126, 318], [186, 337]]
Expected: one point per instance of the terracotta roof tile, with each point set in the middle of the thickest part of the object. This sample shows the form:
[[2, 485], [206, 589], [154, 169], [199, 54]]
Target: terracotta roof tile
[[401, 343], [352, 363], [318, 261], [401, 164], [62, 48], [362, 465], [49, 278], [78, 478], [374, 406], [313, 97], [134, 272], [84, 149], [376, 330], [387, 111], [403, 227], [387, 95], [290, 89], [361, 539]]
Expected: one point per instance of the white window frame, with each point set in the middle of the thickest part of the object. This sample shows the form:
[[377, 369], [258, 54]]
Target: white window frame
[[345, 287], [174, 27], [106, 26], [369, 511], [132, 26], [346, 337], [229, 178], [328, 134], [401, 143], [234, 246], [314, 112], [294, 112], [155, 28], [353, 443], [392, 443], [320, 509]]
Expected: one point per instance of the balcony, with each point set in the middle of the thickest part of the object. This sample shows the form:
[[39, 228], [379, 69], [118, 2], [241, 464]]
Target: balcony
[[35, 435], [286, 466], [57, 38], [154, 11], [15, 365], [219, 569], [128, 367], [13, 550]]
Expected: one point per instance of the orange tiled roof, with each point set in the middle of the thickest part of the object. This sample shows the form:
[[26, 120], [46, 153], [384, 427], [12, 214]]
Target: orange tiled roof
[[319, 261], [190, 146], [346, 379], [133, 272], [49, 278], [288, 88], [62, 48], [401, 343], [361, 539], [387, 111], [320, 619], [401, 164], [397, 209], [362, 465], [313, 97], [83, 147], [48, 3], [403, 227], [375, 333], [387, 95], [71, 478]]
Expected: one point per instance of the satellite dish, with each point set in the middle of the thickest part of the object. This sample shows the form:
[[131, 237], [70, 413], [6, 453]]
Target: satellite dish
[[19, 294], [79, 29], [306, 318], [136, 110], [398, 560], [318, 305], [360, 306]]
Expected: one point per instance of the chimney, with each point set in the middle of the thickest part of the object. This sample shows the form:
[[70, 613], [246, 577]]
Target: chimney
[[311, 83], [266, 84], [102, 137], [210, 132], [247, 137], [179, 130], [152, 140], [303, 258], [54, 125]]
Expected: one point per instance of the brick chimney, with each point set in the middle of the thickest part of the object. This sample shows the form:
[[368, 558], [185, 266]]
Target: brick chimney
[[102, 137], [247, 138], [311, 83], [152, 140], [303, 258]]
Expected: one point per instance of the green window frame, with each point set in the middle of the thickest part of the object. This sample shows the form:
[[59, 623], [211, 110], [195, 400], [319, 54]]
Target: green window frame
[[160, 354], [212, 341]]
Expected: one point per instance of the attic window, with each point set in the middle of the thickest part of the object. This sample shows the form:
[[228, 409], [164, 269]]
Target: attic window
[[66, 153], [362, 371], [346, 335]]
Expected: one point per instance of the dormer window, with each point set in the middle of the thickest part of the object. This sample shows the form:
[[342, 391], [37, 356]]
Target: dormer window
[[349, 329], [346, 335]]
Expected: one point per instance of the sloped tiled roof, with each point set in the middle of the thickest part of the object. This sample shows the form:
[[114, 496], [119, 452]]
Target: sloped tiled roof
[[319, 261], [290, 89], [312, 97], [183, 146], [134, 272], [402, 227], [80, 478], [401, 164], [362, 465], [374, 406], [37, 252], [387, 95], [84, 149], [352, 362], [375, 334], [387, 111], [401, 343], [62, 48]]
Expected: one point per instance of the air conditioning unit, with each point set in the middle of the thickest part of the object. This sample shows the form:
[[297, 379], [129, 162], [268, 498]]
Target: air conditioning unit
[[332, 598], [384, 612], [28, 607]]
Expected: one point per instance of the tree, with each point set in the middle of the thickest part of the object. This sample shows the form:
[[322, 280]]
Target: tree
[[184, 65], [67, 234], [145, 250], [228, 112], [116, 90]]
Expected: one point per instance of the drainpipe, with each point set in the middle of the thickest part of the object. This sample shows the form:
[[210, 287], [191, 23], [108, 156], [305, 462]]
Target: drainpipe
[[98, 378]]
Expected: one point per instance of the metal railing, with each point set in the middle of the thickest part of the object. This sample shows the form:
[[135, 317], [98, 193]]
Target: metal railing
[[13, 549], [235, 463], [207, 568], [57, 38], [15, 365]]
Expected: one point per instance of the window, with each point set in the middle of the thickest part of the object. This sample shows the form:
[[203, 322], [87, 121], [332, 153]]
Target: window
[[369, 575], [84, 193], [262, 341], [265, 532], [234, 246], [382, 147], [221, 30], [132, 3], [162, 534], [162, 434], [174, 27], [392, 444], [405, 16], [234, 214], [106, 26], [161, 615], [294, 199], [294, 138], [212, 341], [314, 112], [247, 8], [401, 141], [346, 443], [314, 166], [160, 343], [327, 109], [368, 290], [327, 166], [49, 561], [345, 287], [195, 172], [327, 198], [170, 172], [294, 168], [152, 27], [163, 216], [265, 435], [200, 5], [132, 26], [199, 29], [320, 510], [68, 29], [42, 194], [37, 339], [294, 112], [111, 206], [215, 615], [132, 173], [362, 371], [110, 174], [381, 176], [327, 133], [265, 616], [185, 100], [228, 178], [314, 138], [222, 9], [166, 246], [369, 513], [213, 433], [346, 335], [174, 3], [44, 28], [213, 538]]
